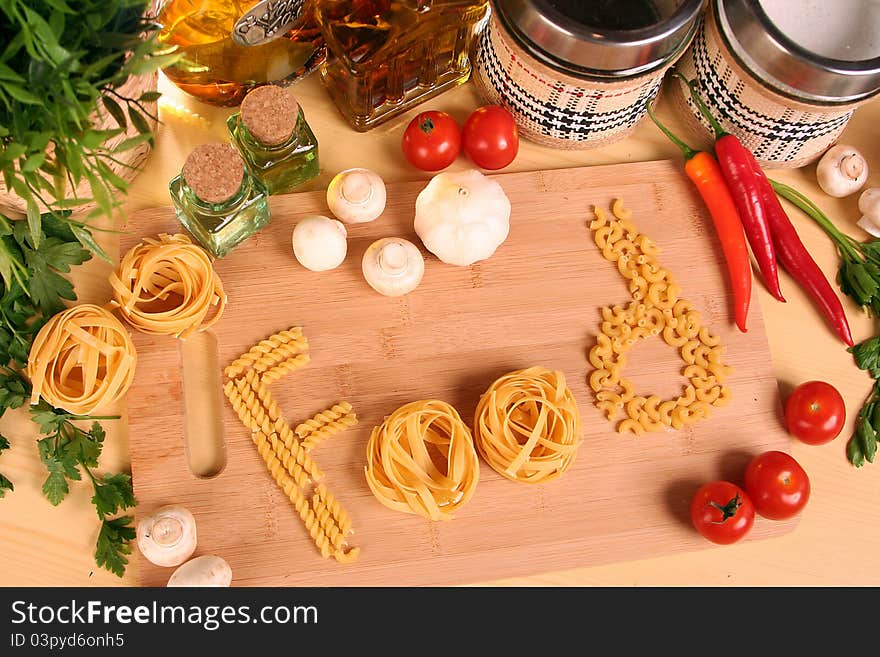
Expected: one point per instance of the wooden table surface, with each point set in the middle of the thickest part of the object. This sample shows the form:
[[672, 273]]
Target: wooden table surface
[[839, 533]]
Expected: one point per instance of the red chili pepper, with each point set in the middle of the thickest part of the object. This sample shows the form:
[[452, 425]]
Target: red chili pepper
[[734, 159], [797, 261], [704, 172]]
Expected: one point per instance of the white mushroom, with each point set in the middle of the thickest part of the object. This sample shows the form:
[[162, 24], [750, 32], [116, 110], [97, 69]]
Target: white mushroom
[[462, 217], [869, 206], [842, 171], [319, 243], [207, 570], [356, 196], [393, 266], [168, 537]]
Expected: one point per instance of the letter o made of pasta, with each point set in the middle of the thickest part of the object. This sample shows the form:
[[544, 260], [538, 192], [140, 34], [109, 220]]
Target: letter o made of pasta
[[422, 460], [82, 360], [527, 425], [168, 286]]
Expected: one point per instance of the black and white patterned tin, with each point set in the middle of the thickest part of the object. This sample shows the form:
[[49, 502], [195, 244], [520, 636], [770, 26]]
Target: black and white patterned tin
[[562, 104], [781, 129]]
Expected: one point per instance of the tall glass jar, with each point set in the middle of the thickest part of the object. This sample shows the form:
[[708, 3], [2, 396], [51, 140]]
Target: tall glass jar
[[389, 55], [229, 47]]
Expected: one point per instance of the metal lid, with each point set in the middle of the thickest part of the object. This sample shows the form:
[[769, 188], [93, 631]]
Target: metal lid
[[560, 33], [774, 58]]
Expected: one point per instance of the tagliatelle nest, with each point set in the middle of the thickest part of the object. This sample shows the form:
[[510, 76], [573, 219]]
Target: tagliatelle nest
[[168, 286], [422, 460], [527, 425], [82, 360]]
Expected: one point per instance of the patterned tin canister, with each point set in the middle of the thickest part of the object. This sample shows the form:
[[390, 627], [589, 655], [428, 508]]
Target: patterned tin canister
[[578, 74], [783, 75]]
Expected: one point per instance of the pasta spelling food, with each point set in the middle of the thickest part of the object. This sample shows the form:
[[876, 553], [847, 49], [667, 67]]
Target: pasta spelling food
[[656, 310], [82, 360], [167, 286], [422, 460], [527, 425], [284, 451]]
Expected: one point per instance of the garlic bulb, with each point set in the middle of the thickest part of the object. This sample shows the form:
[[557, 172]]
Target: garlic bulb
[[462, 217]]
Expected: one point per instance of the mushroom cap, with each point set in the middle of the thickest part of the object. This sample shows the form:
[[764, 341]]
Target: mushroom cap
[[356, 195], [462, 217], [207, 570], [319, 243], [168, 537], [393, 266], [842, 171]]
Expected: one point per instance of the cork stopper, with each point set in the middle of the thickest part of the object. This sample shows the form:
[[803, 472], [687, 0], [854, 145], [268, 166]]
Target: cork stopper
[[214, 172], [269, 113]]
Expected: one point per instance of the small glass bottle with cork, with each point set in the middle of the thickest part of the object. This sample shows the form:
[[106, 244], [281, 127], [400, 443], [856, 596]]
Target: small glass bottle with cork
[[274, 139], [217, 200]]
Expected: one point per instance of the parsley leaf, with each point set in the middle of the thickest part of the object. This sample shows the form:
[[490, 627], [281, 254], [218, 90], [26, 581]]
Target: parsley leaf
[[5, 484], [113, 494], [55, 487], [47, 287], [867, 354], [113, 544], [47, 418], [14, 391]]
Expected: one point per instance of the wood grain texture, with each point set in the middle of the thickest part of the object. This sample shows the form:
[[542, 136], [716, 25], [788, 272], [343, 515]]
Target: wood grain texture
[[536, 301]]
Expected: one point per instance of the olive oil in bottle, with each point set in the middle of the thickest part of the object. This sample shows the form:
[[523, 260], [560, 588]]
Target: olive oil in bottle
[[229, 47], [388, 55]]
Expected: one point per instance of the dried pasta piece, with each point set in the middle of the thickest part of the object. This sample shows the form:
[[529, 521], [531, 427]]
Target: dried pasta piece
[[324, 417], [285, 367], [316, 437], [269, 352], [284, 454], [81, 360], [168, 286], [403, 454], [656, 309], [527, 425]]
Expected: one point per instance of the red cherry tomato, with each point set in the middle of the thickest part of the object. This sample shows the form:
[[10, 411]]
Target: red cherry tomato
[[777, 485], [432, 141], [815, 412], [722, 512], [490, 138]]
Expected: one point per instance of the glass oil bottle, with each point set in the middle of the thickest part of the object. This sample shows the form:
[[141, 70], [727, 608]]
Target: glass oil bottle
[[274, 139], [389, 55], [229, 47], [217, 200]]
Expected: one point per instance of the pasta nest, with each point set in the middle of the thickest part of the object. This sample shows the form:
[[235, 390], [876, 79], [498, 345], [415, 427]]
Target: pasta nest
[[527, 425], [422, 460], [83, 359], [167, 286]]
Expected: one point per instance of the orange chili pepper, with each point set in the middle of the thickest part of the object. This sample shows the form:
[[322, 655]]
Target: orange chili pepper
[[704, 172]]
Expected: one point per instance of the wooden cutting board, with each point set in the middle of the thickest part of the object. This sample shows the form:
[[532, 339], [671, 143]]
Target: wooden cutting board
[[536, 301]]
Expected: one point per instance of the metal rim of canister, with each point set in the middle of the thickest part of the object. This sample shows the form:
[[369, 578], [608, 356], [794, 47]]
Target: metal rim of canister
[[779, 63], [585, 51]]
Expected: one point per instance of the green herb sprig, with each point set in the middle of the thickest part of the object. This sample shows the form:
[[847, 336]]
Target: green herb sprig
[[32, 289], [66, 60], [5, 484], [859, 273], [67, 451]]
